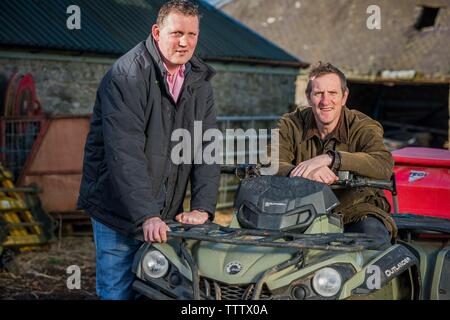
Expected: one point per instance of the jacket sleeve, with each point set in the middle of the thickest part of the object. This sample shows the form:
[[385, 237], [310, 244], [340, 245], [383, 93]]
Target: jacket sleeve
[[286, 147], [205, 178], [124, 138], [372, 159]]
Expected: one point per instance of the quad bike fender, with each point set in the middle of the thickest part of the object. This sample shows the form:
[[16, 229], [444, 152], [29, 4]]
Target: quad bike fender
[[388, 265], [440, 288]]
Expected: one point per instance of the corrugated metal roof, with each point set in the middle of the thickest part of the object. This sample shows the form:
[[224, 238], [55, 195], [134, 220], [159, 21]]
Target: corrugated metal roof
[[115, 26]]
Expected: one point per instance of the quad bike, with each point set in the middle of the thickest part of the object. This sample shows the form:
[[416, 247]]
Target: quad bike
[[285, 242]]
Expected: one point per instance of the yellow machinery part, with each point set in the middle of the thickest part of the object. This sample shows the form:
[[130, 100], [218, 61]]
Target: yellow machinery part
[[28, 217], [23, 229]]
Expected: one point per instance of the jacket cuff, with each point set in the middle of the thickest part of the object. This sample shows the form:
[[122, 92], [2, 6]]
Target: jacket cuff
[[210, 215], [346, 159], [142, 219], [336, 160]]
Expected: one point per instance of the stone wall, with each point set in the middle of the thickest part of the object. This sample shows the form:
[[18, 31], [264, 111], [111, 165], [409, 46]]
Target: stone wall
[[68, 87], [239, 93], [63, 88], [300, 88]]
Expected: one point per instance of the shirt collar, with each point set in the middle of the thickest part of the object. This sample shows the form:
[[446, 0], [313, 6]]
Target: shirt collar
[[180, 70], [340, 133]]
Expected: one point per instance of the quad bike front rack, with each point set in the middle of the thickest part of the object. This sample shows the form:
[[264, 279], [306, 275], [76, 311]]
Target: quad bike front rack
[[211, 232]]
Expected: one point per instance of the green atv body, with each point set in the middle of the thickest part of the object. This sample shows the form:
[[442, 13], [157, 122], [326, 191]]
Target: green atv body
[[304, 256]]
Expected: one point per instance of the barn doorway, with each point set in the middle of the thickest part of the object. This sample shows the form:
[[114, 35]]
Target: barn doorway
[[412, 114]]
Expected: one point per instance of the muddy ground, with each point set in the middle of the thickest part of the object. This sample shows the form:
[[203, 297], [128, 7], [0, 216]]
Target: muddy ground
[[42, 274]]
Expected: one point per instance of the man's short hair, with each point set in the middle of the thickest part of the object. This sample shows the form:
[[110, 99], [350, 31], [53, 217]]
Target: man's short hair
[[321, 69], [184, 7]]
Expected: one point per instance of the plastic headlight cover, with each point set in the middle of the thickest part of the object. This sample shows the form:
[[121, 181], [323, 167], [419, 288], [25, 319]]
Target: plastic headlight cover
[[155, 264], [327, 282]]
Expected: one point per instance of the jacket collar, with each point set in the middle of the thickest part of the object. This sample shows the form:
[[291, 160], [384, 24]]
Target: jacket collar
[[340, 133]]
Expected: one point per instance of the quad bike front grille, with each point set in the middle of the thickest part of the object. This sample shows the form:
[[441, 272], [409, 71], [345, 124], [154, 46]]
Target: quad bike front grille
[[221, 291]]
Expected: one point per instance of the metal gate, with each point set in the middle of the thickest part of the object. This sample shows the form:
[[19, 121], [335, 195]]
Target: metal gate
[[17, 136], [229, 184]]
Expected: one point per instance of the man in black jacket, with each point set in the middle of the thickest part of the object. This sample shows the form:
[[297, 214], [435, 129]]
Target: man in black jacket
[[129, 184]]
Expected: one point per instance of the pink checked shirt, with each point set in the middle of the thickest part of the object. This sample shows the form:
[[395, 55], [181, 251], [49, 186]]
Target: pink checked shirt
[[175, 82]]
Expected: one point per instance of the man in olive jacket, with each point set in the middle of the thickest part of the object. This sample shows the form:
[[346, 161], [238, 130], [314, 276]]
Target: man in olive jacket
[[129, 184], [317, 141]]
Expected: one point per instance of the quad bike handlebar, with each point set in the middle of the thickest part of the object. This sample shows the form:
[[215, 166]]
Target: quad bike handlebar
[[346, 180], [349, 180]]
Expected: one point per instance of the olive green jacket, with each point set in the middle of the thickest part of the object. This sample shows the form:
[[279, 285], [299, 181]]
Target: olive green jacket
[[358, 139]]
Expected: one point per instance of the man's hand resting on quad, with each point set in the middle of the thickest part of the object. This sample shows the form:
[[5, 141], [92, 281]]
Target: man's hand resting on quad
[[315, 169], [155, 230]]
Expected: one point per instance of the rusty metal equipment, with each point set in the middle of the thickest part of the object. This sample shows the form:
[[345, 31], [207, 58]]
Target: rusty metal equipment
[[41, 150], [56, 160], [21, 119], [20, 97]]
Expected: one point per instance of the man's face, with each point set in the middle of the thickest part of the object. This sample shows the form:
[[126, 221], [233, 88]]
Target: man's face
[[327, 99], [177, 38]]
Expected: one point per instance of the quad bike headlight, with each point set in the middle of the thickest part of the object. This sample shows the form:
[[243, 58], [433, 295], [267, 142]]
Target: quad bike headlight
[[327, 282], [155, 264]]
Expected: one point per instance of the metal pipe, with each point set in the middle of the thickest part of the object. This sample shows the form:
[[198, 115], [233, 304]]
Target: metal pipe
[[305, 244], [194, 269], [394, 193], [21, 189], [414, 127], [248, 118], [273, 270], [395, 203]]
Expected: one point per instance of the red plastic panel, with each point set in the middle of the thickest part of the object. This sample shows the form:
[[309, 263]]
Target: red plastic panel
[[428, 157], [424, 191]]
